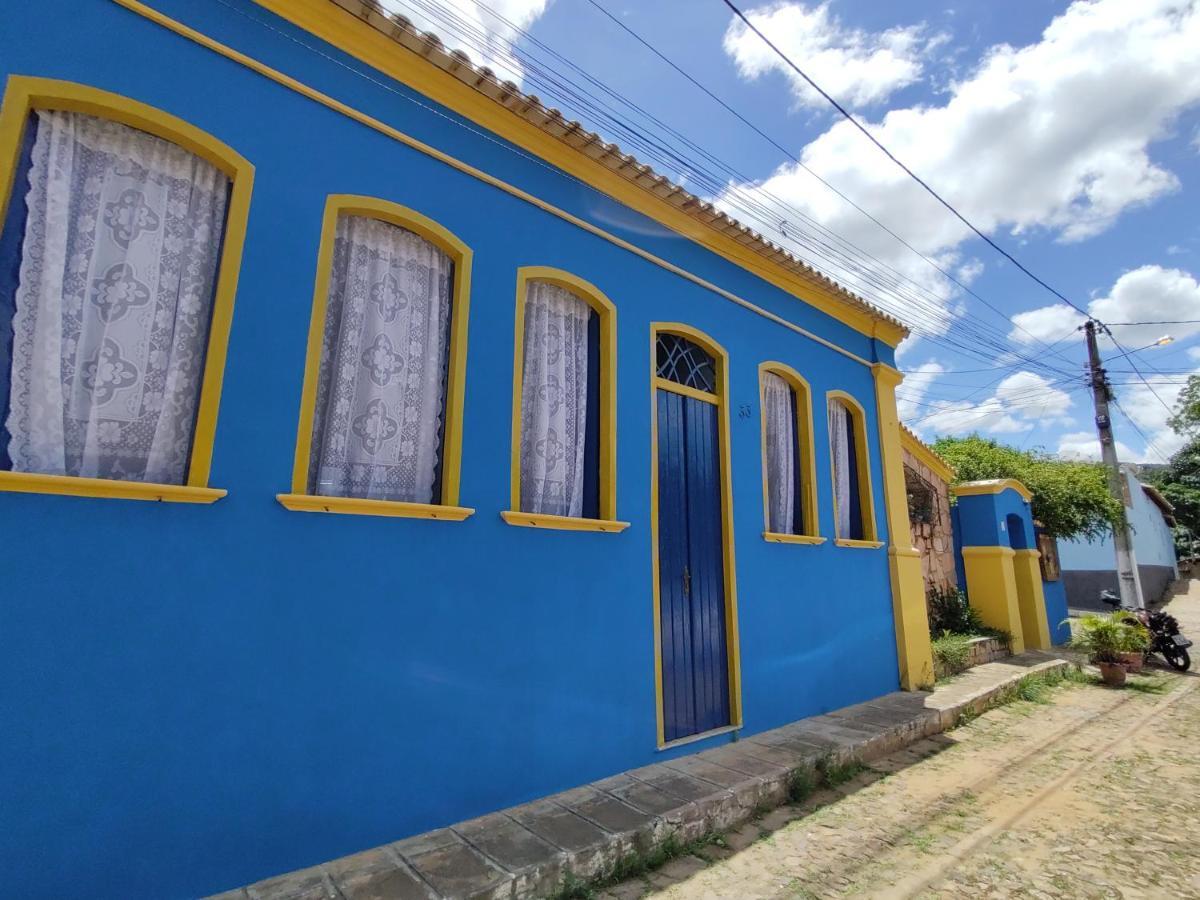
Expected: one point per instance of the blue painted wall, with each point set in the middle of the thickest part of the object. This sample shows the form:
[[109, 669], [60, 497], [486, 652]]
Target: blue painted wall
[[197, 697], [1153, 543]]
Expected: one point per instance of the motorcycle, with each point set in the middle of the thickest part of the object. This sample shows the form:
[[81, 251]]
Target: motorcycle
[[1165, 638]]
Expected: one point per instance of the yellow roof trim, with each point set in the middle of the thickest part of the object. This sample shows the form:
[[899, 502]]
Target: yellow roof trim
[[362, 29], [991, 486], [922, 451]]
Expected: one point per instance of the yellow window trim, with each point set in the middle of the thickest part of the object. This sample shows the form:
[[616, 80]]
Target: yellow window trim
[[304, 90], [776, 537], [861, 545], [34, 483], [22, 96], [357, 506], [721, 358], [562, 523], [606, 311], [675, 387], [807, 461], [393, 213], [366, 43], [866, 498]]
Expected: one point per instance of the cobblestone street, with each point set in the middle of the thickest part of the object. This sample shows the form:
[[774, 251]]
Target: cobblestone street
[[1091, 792]]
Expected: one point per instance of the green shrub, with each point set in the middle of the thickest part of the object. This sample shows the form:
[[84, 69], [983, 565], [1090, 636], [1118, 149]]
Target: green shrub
[[951, 652], [949, 611]]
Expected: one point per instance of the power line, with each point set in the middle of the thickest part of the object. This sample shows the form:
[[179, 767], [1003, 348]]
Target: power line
[[890, 281], [888, 153], [799, 162], [1159, 322]]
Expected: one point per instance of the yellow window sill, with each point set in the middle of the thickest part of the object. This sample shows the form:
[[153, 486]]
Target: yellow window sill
[[357, 506], [693, 738], [776, 537], [70, 485], [562, 523], [862, 545]]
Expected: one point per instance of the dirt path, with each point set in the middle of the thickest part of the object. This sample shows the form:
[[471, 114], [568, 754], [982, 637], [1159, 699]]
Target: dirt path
[[1095, 793]]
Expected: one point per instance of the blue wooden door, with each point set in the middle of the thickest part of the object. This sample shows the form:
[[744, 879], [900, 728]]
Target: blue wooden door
[[695, 662]]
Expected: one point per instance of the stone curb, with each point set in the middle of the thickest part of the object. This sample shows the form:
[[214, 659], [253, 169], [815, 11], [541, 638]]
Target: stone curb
[[527, 851]]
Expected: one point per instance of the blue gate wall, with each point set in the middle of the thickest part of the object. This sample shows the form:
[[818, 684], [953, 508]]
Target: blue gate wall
[[195, 697]]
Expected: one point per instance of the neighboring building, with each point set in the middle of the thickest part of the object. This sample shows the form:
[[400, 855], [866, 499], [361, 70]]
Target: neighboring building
[[1091, 567], [616, 478], [927, 480]]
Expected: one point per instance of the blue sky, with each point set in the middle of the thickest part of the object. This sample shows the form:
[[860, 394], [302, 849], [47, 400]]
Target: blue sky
[[1069, 132]]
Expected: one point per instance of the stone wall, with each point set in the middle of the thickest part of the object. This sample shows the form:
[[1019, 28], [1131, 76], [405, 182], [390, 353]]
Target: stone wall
[[929, 519]]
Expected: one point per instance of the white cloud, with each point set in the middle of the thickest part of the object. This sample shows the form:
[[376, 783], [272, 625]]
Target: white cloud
[[857, 67], [1021, 402], [916, 383], [1146, 294], [1086, 445], [1053, 136], [491, 37]]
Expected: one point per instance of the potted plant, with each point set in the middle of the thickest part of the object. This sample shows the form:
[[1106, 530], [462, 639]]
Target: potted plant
[[1136, 640], [1104, 638]]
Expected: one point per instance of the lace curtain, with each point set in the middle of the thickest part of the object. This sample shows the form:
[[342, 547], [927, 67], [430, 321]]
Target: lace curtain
[[554, 386], [839, 437], [115, 291], [780, 413], [381, 390]]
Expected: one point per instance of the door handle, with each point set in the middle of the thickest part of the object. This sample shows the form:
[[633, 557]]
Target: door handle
[[687, 581]]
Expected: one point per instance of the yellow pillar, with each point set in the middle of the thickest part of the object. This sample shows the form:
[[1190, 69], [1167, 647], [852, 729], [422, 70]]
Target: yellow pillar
[[1031, 599], [992, 587], [904, 561]]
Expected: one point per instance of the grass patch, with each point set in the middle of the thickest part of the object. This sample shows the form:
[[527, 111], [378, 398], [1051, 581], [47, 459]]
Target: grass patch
[[1151, 684], [1034, 688], [801, 784], [951, 652], [834, 774], [637, 865]]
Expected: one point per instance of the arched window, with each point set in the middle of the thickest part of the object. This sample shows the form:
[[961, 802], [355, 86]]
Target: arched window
[[564, 460], [789, 467], [853, 507], [122, 235], [382, 408]]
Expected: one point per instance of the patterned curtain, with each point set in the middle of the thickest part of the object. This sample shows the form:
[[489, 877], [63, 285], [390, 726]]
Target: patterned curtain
[[780, 414], [381, 391], [839, 437], [118, 266], [554, 401]]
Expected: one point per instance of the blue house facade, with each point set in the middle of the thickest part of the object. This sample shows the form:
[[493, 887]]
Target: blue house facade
[[379, 451]]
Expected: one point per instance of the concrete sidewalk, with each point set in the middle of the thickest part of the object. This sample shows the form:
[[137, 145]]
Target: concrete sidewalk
[[528, 850]]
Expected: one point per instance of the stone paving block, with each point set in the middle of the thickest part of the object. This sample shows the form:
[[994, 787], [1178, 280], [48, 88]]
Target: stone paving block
[[610, 813], [722, 776], [738, 758], [781, 756], [588, 850], [305, 884], [641, 795], [239, 894], [376, 875], [536, 866], [453, 868]]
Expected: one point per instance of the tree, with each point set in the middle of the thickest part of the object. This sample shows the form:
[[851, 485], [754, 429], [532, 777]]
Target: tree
[[1070, 499], [1179, 482], [1187, 407]]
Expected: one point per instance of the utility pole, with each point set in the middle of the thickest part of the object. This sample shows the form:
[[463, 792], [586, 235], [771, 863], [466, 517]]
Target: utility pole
[[1127, 575]]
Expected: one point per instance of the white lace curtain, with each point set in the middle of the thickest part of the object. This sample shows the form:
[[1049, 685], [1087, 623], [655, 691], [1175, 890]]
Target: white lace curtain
[[381, 390], [780, 413], [554, 389], [113, 303], [839, 438]]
